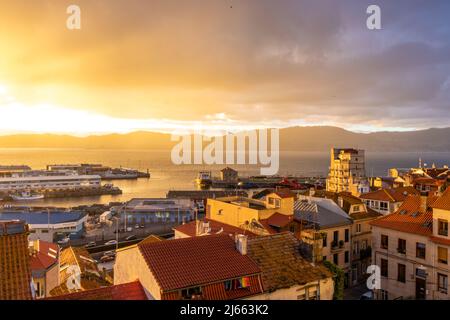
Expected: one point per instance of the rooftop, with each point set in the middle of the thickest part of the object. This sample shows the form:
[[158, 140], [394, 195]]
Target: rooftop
[[43, 217], [276, 221], [188, 262], [323, 212], [410, 217], [443, 202], [127, 291], [215, 226], [390, 195], [44, 255], [282, 266], [11, 226]]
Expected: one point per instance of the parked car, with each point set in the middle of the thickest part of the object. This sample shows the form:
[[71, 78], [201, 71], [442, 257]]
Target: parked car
[[111, 242], [367, 296], [64, 241], [110, 253], [129, 229], [136, 226], [107, 258], [90, 244], [142, 226], [129, 238]]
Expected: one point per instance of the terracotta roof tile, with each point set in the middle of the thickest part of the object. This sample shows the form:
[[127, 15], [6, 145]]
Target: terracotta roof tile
[[188, 262], [127, 291], [216, 226], [443, 202], [282, 266], [409, 217], [391, 195]]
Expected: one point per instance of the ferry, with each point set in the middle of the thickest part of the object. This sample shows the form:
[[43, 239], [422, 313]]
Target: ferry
[[204, 179], [26, 195]]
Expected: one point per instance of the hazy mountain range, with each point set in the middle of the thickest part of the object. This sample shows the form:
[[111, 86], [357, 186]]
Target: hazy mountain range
[[291, 139]]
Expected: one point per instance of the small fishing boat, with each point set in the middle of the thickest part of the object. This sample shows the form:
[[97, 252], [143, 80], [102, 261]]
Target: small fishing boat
[[26, 196]]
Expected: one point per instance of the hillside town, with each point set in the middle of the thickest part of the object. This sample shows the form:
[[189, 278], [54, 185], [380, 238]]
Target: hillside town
[[246, 238]]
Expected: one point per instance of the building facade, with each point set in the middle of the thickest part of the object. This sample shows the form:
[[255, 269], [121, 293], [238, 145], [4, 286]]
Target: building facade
[[347, 171], [411, 248]]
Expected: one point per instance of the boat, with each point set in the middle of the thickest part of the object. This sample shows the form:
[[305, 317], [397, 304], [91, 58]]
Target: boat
[[26, 195], [204, 179]]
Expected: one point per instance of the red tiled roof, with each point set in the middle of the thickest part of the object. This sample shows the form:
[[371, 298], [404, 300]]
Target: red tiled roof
[[216, 226], [279, 220], [391, 195], [188, 262], [127, 291], [46, 256], [409, 217], [439, 240], [443, 202]]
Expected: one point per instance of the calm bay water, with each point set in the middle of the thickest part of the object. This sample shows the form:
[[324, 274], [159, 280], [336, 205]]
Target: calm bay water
[[165, 176]]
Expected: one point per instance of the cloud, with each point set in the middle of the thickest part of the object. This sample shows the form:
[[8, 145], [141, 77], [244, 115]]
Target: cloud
[[259, 62]]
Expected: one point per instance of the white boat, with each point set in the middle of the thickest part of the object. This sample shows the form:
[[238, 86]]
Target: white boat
[[204, 179], [27, 196]]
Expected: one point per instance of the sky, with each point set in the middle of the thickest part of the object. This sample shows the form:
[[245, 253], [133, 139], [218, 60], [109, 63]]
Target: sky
[[164, 65]]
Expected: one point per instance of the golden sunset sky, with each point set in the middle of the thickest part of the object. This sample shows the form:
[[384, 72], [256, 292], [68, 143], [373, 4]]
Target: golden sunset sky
[[166, 64]]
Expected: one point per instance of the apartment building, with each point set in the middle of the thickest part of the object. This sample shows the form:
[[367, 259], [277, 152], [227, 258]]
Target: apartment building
[[327, 228], [411, 248], [347, 171], [44, 263], [387, 201], [211, 267], [262, 217]]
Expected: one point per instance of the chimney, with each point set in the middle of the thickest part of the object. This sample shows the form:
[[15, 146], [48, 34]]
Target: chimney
[[341, 202], [197, 227], [423, 204], [241, 243]]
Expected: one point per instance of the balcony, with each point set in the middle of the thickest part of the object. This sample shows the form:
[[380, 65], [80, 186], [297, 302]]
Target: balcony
[[337, 245]]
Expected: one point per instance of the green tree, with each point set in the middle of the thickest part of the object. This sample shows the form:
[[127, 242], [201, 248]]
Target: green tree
[[338, 275]]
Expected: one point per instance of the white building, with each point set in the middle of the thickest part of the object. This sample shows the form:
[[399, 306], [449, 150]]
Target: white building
[[49, 226], [49, 182]]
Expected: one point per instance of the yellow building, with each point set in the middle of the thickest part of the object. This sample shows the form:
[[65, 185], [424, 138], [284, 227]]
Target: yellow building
[[347, 172], [246, 213]]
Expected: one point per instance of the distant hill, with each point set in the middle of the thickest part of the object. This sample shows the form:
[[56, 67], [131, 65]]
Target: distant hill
[[291, 139]]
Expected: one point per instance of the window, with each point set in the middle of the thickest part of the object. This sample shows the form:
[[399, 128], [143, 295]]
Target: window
[[383, 294], [336, 259], [384, 268], [347, 235], [324, 240], [442, 227], [324, 258], [384, 206], [347, 257], [356, 209], [401, 273], [312, 293], [384, 241], [442, 283], [358, 228], [191, 293], [420, 250], [442, 255], [401, 246], [336, 237]]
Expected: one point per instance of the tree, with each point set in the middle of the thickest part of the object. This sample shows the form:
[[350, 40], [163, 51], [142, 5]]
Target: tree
[[338, 277]]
